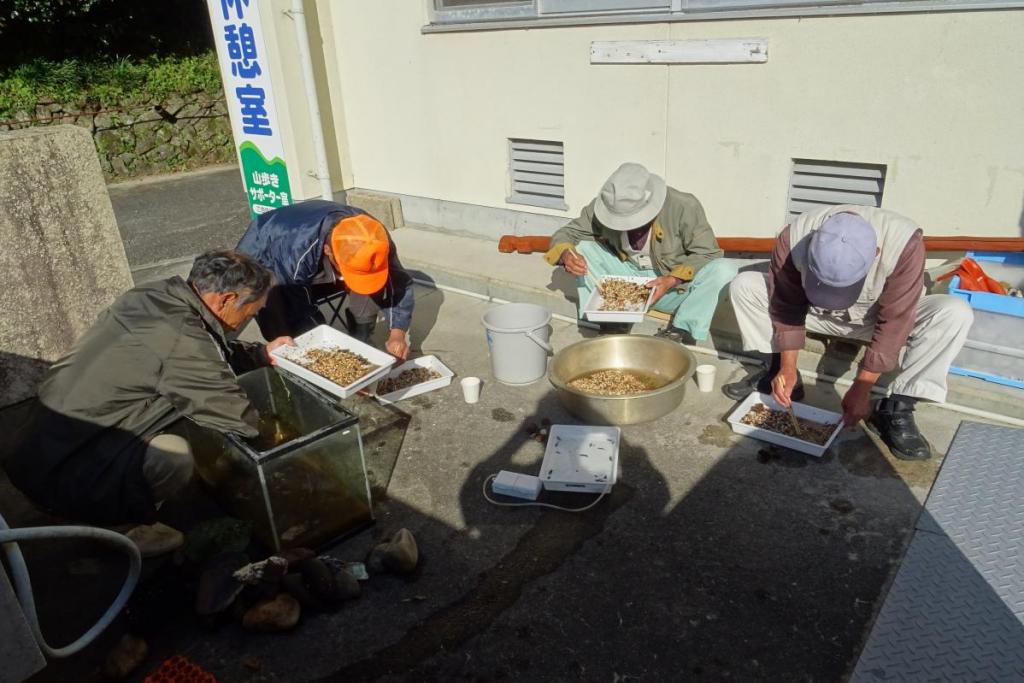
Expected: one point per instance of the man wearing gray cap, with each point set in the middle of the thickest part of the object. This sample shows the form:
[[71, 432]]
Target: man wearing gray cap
[[638, 226], [854, 272]]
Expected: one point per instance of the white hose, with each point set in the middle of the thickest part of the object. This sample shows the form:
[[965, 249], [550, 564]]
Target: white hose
[[23, 584]]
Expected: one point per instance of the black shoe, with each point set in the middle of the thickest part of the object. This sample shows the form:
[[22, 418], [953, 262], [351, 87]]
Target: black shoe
[[614, 328], [893, 422], [676, 335], [761, 381]]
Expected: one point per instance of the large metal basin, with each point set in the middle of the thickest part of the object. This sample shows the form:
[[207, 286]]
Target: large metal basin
[[661, 357]]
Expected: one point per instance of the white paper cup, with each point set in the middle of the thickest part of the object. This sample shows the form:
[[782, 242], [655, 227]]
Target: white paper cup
[[471, 389], [706, 377]]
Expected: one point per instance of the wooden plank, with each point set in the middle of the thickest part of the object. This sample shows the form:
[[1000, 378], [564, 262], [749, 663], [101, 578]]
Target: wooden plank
[[829, 169], [707, 51], [869, 185]]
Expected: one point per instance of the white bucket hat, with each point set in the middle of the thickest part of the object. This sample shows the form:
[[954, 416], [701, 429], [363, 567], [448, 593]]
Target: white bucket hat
[[631, 198]]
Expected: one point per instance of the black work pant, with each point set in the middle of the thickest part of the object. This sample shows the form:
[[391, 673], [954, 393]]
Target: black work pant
[[294, 309]]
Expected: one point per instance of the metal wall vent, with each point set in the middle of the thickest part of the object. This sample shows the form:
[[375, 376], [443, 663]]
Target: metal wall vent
[[816, 184], [537, 173]]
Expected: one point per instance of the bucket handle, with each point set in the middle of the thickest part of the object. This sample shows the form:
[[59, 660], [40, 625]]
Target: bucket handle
[[540, 342]]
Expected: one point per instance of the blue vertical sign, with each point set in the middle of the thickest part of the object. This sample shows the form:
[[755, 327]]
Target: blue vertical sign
[[242, 54]]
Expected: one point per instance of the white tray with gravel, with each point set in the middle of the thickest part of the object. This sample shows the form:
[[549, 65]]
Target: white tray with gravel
[[763, 409], [333, 361], [412, 378], [623, 303]]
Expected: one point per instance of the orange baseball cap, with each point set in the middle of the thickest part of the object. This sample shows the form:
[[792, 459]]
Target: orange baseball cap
[[360, 247]]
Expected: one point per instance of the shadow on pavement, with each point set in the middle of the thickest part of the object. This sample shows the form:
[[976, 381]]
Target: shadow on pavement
[[714, 557]]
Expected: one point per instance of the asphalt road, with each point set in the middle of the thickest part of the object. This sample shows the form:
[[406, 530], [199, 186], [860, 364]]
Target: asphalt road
[[181, 215]]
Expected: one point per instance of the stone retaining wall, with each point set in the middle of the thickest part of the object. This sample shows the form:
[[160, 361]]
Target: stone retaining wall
[[176, 134]]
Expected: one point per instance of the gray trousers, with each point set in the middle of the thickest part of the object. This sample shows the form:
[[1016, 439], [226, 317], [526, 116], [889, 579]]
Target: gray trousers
[[167, 465], [939, 332]]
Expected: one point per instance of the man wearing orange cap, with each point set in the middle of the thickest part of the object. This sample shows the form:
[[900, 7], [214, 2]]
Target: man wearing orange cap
[[319, 247]]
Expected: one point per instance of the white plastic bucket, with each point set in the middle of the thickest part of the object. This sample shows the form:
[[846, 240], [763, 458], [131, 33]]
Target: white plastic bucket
[[517, 337]]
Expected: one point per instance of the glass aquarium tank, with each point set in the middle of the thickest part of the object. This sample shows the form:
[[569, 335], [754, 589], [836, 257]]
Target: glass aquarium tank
[[302, 482]]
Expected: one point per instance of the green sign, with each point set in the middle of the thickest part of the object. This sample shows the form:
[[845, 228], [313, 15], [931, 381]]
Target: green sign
[[266, 182]]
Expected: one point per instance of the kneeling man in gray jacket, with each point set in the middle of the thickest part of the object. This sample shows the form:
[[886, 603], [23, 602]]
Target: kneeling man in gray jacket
[[93, 447]]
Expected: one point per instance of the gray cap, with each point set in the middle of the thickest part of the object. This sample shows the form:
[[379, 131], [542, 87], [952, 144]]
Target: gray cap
[[632, 197], [839, 256]]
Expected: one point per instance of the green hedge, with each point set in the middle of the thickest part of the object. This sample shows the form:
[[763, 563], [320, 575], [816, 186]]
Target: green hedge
[[105, 83]]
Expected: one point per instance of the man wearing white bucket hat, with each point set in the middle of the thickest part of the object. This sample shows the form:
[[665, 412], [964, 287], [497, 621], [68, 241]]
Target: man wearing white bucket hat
[[638, 226]]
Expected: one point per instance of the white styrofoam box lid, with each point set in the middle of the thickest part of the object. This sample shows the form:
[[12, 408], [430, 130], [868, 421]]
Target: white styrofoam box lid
[[581, 454], [326, 337], [592, 308], [431, 362]]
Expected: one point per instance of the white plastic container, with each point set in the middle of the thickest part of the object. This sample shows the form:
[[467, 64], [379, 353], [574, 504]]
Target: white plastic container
[[584, 459], [993, 349], [517, 338], [471, 389], [326, 337], [429, 362], [705, 375], [592, 308], [801, 410]]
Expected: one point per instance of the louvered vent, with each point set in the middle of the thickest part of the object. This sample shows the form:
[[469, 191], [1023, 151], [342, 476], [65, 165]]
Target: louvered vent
[[537, 172], [816, 184]]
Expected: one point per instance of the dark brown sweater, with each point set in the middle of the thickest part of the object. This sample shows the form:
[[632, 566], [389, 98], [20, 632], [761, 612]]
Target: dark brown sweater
[[897, 305]]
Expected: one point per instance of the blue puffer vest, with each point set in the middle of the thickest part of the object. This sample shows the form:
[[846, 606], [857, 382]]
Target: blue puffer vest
[[290, 240]]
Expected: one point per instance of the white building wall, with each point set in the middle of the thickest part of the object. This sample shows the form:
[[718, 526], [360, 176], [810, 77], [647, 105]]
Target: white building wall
[[936, 97]]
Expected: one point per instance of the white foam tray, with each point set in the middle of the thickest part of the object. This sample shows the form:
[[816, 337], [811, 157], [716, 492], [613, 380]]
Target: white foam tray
[[799, 409], [594, 302], [431, 362], [326, 337], [581, 458]]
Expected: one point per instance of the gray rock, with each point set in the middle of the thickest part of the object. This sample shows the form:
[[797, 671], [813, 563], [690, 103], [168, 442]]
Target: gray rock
[[348, 586], [77, 265], [280, 613], [125, 658], [399, 555], [218, 586]]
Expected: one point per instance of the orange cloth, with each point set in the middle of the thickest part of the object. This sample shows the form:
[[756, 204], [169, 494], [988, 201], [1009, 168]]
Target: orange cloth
[[360, 248]]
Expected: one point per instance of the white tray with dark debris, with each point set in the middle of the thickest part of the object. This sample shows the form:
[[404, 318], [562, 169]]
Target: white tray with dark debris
[[327, 338], [592, 308], [802, 411], [428, 362], [581, 458]]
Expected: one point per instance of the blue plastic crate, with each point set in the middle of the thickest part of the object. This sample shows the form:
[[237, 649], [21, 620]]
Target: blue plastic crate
[[987, 343], [986, 301]]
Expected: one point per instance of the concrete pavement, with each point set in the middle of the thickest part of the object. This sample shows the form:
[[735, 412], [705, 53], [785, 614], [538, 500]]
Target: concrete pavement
[[168, 218], [715, 557]]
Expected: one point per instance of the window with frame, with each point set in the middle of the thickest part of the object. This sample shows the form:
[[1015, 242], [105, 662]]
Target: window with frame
[[475, 11]]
